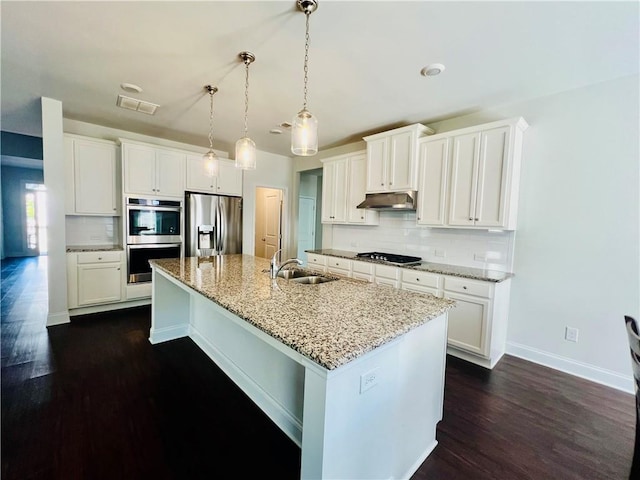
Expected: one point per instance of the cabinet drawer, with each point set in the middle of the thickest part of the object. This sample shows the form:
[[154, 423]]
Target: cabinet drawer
[[316, 260], [385, 271], [470, 287], [425, 279], [338, 263], [362, 267], [99, 257]]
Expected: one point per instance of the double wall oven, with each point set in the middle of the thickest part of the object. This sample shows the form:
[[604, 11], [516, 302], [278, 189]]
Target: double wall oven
[[153, 230]]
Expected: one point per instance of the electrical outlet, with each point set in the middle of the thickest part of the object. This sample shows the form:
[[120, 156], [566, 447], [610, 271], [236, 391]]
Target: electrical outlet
[[479, 257], [571, 334], [439, 253], [369, 379]]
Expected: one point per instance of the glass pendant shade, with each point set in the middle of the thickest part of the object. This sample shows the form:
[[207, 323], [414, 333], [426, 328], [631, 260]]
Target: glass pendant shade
[[210, 160], [304, 134], [246, 154]]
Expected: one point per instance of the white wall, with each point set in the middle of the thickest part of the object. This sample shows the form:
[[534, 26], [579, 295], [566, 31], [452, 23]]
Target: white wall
[[577, 251], [54, 177]]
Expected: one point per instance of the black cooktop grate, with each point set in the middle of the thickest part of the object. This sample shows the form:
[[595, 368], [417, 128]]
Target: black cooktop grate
[[390, 257]]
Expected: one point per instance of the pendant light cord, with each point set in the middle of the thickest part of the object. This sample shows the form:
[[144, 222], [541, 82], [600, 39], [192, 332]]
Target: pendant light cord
[[246, 96], [211, 122], [306, 61]]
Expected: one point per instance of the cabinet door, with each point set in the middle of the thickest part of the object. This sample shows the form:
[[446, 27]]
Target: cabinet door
[[377, 155], [197, 178], [328, 187], [357, 187], [139, 169], [468, 323], [401, 172], [493, 172], [334, 191], [99, 283], [432, 182], [94, 178], [229, 179], [340, 191], [464, 160], [170, 173]]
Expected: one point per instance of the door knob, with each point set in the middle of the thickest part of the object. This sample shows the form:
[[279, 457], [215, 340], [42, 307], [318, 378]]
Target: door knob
[[264, 239]]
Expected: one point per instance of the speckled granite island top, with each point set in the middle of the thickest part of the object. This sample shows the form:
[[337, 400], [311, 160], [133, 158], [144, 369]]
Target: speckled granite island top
[[443, 269], [331, 323], [93, 248]]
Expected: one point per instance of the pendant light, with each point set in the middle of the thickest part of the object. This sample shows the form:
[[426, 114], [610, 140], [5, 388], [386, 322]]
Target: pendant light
[[210, 158], [304, 128], [245, 147]]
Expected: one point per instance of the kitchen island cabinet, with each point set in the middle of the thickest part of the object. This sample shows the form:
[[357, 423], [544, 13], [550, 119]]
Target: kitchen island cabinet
[[353, 373]]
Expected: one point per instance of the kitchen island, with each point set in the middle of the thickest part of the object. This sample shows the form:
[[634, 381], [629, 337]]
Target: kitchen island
[[351, 372]]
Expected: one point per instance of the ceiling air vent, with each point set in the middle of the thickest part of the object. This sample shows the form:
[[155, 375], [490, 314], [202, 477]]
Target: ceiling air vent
[[136, 105]]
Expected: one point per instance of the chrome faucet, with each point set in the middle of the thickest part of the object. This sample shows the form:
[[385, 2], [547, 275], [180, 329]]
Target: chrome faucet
[[275, 268]]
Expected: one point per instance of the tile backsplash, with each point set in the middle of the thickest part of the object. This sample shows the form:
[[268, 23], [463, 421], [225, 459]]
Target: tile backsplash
[[398, 233], [92, 230]]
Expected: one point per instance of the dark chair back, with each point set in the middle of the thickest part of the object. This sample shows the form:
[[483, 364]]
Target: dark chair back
[[634, 345]]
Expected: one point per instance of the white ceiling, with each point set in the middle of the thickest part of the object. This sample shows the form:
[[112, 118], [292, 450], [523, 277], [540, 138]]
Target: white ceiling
[[364, 65]]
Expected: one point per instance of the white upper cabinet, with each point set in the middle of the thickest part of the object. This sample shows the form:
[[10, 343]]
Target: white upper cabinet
[[357, 173], [485, 175], [150, 170], [228, 181], [92, 177], [343, 188], [334, 191], [433, 168], [392, 159]]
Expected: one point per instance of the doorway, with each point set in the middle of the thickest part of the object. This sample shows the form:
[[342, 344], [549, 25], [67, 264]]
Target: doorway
[[35, 221], [268, 222], [309, 221]]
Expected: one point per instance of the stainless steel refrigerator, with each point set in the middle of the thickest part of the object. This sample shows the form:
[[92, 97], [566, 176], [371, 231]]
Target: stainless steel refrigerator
[[213, 224]]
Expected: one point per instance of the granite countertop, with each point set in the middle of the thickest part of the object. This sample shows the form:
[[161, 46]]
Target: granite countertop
[[330, 323], [444, 269], [93, 248]]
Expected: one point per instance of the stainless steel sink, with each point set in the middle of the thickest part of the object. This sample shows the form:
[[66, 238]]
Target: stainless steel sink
[[294, 273], [313, 280]]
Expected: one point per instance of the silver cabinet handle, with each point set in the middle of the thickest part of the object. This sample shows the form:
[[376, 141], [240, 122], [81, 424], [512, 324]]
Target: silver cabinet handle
[[417, 279], [476, 219], [464, 287], [99, 258], [471, 218]]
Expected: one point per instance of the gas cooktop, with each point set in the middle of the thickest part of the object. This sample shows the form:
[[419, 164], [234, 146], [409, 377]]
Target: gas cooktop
[[390, 258]]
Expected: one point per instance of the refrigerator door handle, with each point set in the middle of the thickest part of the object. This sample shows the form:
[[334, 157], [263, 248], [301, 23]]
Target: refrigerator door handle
[[221, 224]]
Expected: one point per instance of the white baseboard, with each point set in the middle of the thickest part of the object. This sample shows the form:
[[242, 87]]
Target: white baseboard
[[160, 335], [572, 367], [108, 307], [58, 318]]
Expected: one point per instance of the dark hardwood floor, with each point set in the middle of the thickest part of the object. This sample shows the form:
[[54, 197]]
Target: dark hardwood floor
[[94, 400]]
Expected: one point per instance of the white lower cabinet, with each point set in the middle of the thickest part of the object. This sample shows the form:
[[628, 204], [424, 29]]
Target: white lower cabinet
[[478, 323], [95, 278], [339, 266], [477, 330], [362, 270], [421, 282], [317, 263], [387, 276]]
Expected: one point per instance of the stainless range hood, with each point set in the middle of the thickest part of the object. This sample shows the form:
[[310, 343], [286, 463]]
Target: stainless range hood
[[391, 201]]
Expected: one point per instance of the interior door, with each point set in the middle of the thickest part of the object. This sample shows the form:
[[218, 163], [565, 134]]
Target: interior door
[[273, 201], [268, 223]]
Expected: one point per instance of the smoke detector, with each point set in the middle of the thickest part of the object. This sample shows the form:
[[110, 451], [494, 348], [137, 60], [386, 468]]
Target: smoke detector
[[432, 70], [136, 105]]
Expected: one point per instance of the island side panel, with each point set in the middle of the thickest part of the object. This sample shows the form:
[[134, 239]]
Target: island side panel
[[376, 417], [272, 380], [348, 423], [420, 394], [170, 307]]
